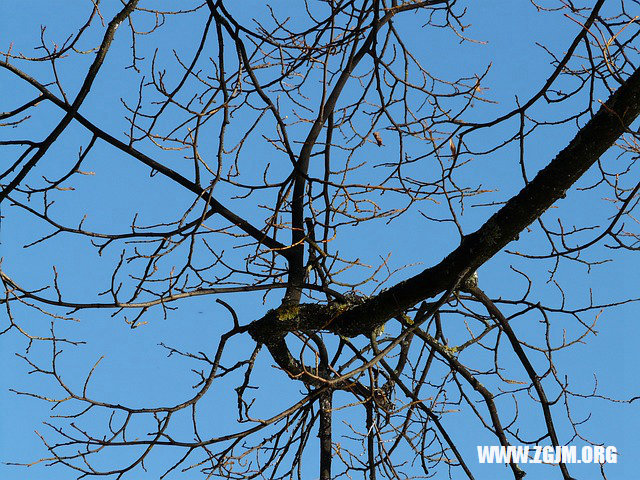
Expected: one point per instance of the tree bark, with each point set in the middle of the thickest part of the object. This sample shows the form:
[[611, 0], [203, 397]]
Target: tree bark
[[613, 118]]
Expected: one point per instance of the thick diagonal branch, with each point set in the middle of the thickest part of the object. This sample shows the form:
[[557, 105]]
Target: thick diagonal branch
[[613, 118]]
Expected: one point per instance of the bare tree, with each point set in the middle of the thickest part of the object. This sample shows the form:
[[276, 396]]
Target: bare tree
[[282, 145]]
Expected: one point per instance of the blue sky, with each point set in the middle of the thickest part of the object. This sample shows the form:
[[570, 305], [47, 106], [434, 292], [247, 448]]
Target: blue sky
[[137, 371]]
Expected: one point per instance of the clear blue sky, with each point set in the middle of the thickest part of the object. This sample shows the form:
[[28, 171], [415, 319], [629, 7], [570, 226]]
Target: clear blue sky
[[136, 371]]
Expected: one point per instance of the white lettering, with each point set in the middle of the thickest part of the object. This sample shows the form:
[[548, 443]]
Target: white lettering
[[536, 457], [587, 454]]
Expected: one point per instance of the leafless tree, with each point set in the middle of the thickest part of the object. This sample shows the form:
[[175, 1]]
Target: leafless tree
[[283, 146]]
